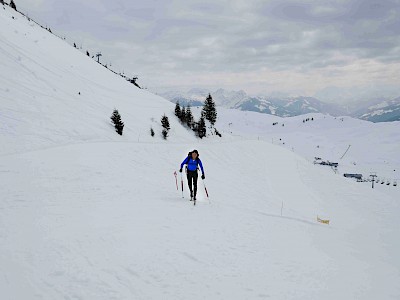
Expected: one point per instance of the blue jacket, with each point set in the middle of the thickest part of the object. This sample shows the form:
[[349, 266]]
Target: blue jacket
[[192, 164]]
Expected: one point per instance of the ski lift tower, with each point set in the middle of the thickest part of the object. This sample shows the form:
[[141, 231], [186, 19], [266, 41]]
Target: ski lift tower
[[373, 175], [134, 78], [98, 56]]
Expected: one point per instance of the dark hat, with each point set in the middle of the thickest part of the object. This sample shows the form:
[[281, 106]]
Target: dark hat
[[195, 151]]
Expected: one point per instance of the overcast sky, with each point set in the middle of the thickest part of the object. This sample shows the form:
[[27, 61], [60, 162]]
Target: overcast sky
[[334, 50]]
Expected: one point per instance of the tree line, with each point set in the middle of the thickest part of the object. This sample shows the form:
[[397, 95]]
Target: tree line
[[208, 113], [12, 4]]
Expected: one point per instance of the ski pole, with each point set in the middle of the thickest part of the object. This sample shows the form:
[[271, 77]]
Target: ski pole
[[205, 188], [182, 184], [176, 180]]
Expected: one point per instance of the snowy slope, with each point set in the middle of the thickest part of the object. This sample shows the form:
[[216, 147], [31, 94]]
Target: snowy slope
[[88, 214], [103, 224], [42, 77], [374, 147]]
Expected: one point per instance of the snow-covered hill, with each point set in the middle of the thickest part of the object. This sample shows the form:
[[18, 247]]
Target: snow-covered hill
[[374, 147], [65, 96], [88, 214]]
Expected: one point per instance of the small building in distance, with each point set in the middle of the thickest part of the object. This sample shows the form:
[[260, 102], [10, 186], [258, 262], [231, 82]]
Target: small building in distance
[[356, 176]]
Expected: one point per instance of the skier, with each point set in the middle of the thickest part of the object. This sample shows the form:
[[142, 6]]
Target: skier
[[192, 161]]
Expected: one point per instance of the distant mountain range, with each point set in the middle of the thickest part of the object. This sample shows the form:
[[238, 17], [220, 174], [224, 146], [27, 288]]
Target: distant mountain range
[[376, 111], [385, 111]]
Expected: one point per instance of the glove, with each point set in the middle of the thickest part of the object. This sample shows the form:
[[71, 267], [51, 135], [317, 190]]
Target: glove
[[180, 170], [203, 177]]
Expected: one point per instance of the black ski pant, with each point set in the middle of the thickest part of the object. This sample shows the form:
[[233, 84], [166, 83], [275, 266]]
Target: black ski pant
[[192, 177]]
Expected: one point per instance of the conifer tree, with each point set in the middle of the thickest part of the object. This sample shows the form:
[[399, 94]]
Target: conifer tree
[[118, 124], [201, 128], [164, 133], [203, 113], [165, 122], [12, 5], [178, 110], [1, 1], [151, 132], [189, 117], [183, 115], [210, 111]]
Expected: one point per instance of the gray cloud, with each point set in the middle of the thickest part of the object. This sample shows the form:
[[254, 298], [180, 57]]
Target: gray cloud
[[258, 46]]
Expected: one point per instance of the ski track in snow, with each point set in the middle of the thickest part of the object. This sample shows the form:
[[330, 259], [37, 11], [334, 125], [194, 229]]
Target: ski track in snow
[[95, 227]]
